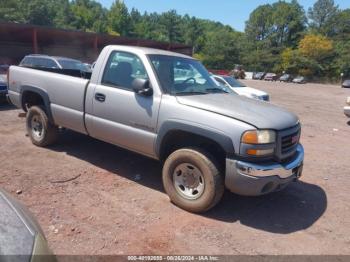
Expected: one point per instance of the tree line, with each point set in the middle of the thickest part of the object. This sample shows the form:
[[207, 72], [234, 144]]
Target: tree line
[[278, 37]]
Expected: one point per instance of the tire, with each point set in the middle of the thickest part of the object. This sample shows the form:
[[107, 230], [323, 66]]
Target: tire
[[210, 186], [41, 132]]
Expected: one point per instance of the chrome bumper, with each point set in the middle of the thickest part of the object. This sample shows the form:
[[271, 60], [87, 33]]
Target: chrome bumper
[[253, 179]]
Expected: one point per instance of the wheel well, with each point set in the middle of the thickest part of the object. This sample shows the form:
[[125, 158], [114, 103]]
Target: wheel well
[[175, 140], [30, 98]]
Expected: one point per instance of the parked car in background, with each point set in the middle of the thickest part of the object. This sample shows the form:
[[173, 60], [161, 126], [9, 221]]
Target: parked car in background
[[270, 77], [21, 237], [166, 106], [3, 86], [4, 69], [54, 62], [347, 107], [259, 76], [240, 88], [346, 84], [89, 66], [286, 78], [299, 80]]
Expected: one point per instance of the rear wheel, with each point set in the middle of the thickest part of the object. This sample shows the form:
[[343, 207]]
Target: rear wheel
[[41, 132], [192, 180]]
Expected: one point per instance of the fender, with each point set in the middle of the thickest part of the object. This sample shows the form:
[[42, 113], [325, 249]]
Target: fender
[[43, 95], [220, 138]]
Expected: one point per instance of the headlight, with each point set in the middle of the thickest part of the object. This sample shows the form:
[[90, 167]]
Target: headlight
[[258, 143], [259, 137]]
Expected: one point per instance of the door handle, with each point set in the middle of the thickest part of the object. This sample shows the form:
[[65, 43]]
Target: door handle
[[100, 97]]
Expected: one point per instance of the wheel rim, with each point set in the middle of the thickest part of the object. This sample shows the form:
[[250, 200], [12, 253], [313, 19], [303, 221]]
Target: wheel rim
[[37, 127], [188, 181]]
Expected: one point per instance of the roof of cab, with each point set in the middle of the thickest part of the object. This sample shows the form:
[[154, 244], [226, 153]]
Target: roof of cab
[[147, 50]]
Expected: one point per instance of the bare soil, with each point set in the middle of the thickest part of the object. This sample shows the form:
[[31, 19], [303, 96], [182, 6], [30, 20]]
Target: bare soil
[[116, 203]]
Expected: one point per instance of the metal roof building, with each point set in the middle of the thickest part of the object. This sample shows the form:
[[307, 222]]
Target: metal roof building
[[18, 40]]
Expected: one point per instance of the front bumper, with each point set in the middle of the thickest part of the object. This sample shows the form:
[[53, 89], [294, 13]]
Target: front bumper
[[251, 179], [347, 111]]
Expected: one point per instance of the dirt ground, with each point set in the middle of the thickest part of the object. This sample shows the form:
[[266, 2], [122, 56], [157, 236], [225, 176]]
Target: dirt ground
[[117, 205]]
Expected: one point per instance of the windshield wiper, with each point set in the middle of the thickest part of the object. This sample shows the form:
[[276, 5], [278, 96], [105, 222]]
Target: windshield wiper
[[216, 90], [190, 93]]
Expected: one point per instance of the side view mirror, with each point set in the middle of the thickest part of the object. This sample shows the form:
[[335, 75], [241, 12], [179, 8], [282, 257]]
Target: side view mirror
[[142, 87]]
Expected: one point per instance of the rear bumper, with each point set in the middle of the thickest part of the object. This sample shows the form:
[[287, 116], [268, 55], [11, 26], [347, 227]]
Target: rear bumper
[[252, 179], [347, 111]]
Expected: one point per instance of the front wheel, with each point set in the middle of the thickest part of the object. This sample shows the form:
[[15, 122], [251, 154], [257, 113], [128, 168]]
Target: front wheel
[[41, 132], [192, 180]]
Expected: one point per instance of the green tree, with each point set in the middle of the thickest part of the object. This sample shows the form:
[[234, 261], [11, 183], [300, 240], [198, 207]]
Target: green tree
[[40, 12], [171, 22], [119, 19], [288, 20], [12, 11], [221, 50], [151, 27], [339, 25], [193, 32], [259, 26], [342, 59], [321, 15], [64, 16], [88, 15]]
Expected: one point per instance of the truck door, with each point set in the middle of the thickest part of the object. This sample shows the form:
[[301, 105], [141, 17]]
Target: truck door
[[120, 116]]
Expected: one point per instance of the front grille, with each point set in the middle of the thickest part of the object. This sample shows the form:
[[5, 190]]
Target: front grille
[[288, 141]]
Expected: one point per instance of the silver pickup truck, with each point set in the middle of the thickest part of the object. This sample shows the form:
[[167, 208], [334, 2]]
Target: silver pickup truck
[[165, 106]]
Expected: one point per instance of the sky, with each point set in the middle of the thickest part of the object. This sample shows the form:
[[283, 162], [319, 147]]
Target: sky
[[228, 12]]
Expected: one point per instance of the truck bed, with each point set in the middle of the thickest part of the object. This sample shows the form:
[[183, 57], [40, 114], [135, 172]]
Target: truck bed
[[66, 93], [68, 72]]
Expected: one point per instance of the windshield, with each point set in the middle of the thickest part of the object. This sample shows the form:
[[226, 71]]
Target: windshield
[[73, 64], [183, 76], [233, 82]]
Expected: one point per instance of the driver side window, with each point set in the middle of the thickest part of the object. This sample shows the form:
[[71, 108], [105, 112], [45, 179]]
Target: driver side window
[[122, 69]]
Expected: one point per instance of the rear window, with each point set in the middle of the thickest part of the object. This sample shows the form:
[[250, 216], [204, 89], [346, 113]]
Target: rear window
[[72, 64], [27, 61], [39, 62]]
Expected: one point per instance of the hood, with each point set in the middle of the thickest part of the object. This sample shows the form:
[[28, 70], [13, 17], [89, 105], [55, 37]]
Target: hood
[[254, 112], [248, 91]]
